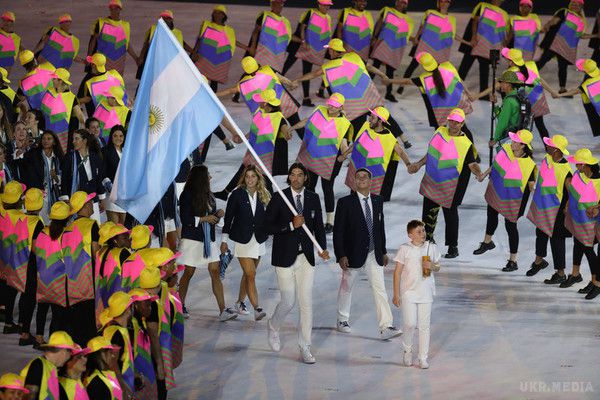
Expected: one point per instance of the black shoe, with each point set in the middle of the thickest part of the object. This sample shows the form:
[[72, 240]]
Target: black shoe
[[555, 279], [27, 342], [535, 268], [593, 293], [586, 289], [400, 90], [12, 328], [307, 103], [321, 94], [571, 280], [229, 146], [510, 266], [236, 98], [407, 145], [483, 247], [390, 97], [564, 91], [222, 195], [328, 228], [452, 252]]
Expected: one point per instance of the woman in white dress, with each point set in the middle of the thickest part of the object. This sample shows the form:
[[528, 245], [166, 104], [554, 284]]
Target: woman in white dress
[[244, 218], [199, 215], [112, 156]]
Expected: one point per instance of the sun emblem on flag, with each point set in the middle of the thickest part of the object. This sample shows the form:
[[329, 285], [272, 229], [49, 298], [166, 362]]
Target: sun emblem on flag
[[156, 119]]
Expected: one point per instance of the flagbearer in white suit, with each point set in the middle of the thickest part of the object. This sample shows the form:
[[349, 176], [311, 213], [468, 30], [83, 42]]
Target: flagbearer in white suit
[[359, 244]]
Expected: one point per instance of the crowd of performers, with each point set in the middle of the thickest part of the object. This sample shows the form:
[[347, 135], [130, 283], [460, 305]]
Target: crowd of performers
[[59, 153]]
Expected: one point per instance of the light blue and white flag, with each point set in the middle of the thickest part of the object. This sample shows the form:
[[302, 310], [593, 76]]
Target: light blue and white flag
[[175, 110]]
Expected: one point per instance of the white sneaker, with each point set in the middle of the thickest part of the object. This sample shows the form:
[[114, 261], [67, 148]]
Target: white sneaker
[[389, 332], [423, 364], [407, 358], [273, 337], [185, 313], [342, 326], [307, 357], [227, 314], [259, 314], [241, 308]]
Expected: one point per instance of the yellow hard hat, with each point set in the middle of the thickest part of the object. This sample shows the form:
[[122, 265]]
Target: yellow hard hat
[[382, 113], [167, 14], [336, 45], [427, 61], [13, 191], [100, 343], [220, 8], [583, 156], [140, 236], [138, 294], [558, 142], [8, 16], [588, 66], [457, 114], [60, 210], [99, 60], [249, 65], [514, 55], [63, 75], [25, 57], [59, 340], [115, 3], [267, 96], [65, 18], [118, 303], [34, 199], [336, 100], [78, 200], [111, 232], [523, 136], [13, 382], [118, 93], [149, 278]]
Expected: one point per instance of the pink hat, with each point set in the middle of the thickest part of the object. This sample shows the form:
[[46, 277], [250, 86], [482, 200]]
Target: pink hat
[[526, 3], [457, 115], [78, 351], [578, 1], [325, 2]]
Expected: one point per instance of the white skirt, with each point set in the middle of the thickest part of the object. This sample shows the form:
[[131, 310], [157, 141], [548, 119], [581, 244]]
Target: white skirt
[[170, 225], [252, 249], [192, 253], [112, 207]]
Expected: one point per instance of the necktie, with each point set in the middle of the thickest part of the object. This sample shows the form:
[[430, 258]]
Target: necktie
[[299, 204], [369, 221]]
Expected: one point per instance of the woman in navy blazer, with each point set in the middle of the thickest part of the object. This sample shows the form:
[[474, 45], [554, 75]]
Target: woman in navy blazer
[[199, 215], [244, 225]]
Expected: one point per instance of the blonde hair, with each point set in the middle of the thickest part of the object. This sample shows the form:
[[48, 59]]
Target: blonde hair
[[263, 194]]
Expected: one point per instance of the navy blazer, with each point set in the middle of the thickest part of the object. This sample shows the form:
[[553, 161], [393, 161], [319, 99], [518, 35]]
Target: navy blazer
[[89, 184], [111, 161], [350, 234], [35, 168], [189, 229], [240, 222], [286, 240]]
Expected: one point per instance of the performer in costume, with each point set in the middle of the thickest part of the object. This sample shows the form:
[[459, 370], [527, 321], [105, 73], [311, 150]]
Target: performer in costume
[[268, 127], [584, 193], [512, 178], [62, 114], [12, 386], [10, 103], [271, 36], [524, 31], [449, 161], [348, 75], [111, 36], [101, 382], [486, 30], [376, 149], [355, 28], [547, 210], [98, 82], [563, 33], [71, 385], [590, 92], [58, 45], [327, 133], [112, 111], [10, 42], [36, 81], [392, 33], [314, 31], [435, 36]]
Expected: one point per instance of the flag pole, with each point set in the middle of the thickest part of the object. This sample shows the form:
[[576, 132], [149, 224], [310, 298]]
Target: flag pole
[[239, 132]]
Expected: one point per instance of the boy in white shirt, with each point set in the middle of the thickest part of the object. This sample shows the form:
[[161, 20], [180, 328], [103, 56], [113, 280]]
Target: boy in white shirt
[[414, 288]]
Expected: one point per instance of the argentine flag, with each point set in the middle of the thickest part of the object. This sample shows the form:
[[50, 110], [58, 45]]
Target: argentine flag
[[174, 111]]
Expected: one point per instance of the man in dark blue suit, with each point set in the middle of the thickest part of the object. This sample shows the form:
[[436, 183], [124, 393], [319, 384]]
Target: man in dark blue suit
[[359, 244], [293, 255]]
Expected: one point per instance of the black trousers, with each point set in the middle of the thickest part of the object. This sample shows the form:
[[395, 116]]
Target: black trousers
[[84, 329], [484, 69], [541, 127], [579, 249], [306, 68], [326, 185], [511, 229], [9, 297], [429, 216], [412, 67], [596, 55], [389, 72], [557, 241], [546, 56], [60, 319]]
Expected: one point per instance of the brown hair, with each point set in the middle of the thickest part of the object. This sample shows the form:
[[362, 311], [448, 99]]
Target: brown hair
[[263, 194], [414, 224]]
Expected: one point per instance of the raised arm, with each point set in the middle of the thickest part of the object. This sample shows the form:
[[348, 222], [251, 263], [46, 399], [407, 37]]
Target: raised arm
[[316, 73], [549, 88]]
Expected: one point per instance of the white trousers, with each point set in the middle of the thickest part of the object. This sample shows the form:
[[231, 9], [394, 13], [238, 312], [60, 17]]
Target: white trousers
[[374, 273], [416, 315], [296, 282]]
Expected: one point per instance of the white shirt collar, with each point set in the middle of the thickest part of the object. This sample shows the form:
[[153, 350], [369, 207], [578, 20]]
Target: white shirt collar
[[294, 193], [362, 196]]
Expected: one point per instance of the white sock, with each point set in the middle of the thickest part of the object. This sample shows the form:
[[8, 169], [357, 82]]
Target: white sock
[[330, 218]]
